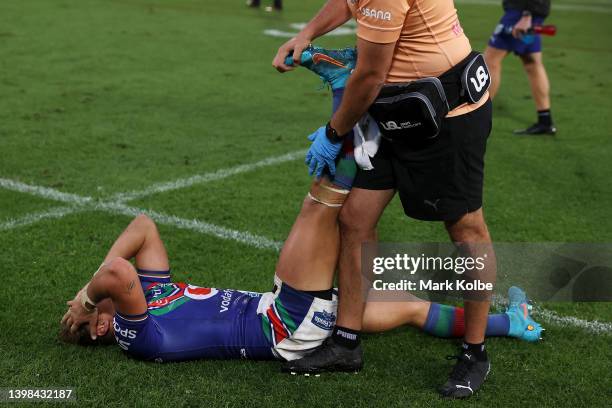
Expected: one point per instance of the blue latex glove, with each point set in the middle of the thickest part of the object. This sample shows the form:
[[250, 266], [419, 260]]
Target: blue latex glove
[[322, 153]]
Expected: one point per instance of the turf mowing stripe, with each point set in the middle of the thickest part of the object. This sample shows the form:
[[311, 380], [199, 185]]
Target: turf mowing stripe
[[43, 192], [207, 177], [556, 7], [33, 218]]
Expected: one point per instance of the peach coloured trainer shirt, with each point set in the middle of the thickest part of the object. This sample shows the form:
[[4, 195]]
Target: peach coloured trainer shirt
[[427, 33]]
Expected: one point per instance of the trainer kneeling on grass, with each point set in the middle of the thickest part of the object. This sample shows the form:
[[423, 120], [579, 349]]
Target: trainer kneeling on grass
[[427, 91]]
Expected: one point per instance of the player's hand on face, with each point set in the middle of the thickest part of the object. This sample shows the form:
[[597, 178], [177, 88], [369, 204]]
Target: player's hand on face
[[322, 153], [293, 47], [521, 28], [77, 315]]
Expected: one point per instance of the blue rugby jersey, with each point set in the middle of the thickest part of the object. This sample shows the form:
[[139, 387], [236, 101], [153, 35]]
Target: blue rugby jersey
[[187, 322]]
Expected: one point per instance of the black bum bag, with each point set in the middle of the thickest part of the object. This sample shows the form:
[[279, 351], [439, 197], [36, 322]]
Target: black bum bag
[[416, 109]]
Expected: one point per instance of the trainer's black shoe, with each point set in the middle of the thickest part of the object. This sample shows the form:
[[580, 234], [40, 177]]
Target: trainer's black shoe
[[537, 129], [467, 376], [330, 356]]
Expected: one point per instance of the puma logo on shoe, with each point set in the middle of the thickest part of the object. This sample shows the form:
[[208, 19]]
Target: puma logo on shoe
[[467, 387]]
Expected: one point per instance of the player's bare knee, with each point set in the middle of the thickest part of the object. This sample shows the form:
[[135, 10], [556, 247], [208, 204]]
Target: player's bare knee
[[310, 206], [469, 228], [494, 56], [470, 233], [143, 221], [147, 227], [351, 222], [529, 61], [477, 234], [313, 211]]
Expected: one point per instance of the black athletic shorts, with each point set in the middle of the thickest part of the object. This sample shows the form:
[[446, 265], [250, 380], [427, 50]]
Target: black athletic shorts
[[439, 179]]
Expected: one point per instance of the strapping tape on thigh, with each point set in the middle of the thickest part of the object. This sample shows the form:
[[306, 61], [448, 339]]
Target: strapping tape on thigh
[[328, 195]]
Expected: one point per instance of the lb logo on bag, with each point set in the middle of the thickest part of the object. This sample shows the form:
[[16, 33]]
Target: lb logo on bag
[[476, 79]]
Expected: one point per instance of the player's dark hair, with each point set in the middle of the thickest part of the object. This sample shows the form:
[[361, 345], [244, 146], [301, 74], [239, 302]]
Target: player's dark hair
[[83, 338]]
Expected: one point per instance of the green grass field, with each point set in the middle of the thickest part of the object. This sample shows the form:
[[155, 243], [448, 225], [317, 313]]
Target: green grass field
[[105, 97]]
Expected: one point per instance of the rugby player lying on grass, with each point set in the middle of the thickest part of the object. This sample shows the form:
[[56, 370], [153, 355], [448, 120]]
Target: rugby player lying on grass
[[153, 318]]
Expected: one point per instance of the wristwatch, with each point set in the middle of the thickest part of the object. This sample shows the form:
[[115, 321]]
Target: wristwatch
[[526, 13], [332, 134]]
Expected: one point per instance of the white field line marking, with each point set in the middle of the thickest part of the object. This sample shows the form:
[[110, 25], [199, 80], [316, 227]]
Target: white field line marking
[[87, 203], [202, 227], [207, 177], [500, 302], [348, 28], [55, 195], [44, 192], [593, 326], [32, 218], [84, 203], [555, 7], [340, 31]]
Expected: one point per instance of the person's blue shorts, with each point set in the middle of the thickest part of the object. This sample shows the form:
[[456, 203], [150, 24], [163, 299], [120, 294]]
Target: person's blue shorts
[[502, 36]]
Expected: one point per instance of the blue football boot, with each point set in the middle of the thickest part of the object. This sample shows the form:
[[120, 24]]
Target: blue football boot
[[522, 326], [333, 66]]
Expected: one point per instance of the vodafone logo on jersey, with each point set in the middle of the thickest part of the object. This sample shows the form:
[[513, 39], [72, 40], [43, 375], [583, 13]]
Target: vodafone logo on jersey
[[198, 293]]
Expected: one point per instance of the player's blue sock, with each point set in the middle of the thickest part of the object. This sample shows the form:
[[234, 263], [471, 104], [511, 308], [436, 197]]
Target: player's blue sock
[[448, 321], [498, 325]]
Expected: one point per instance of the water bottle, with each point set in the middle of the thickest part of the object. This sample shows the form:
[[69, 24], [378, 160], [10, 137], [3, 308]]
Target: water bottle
[[527, 38]]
